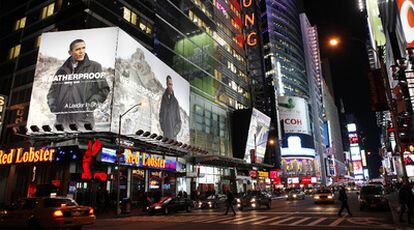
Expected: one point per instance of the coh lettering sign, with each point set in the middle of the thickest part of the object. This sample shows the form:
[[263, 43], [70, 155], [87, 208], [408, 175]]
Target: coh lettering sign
[[249, 22], [19, 156]]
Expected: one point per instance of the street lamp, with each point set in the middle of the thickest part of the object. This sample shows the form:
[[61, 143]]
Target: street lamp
[[118, 163], [333, 42]]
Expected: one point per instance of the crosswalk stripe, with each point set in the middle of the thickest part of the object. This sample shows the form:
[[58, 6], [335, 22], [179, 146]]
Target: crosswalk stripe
[[337, 221], [254, 219], [204, 218], [284, 220], [237, 219], [217, 219], [270, 219], [301, 221], [320, 220]]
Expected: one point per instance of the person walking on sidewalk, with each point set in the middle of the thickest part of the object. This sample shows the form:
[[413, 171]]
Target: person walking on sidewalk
[[344, 200], [405, 198], [230, 199]]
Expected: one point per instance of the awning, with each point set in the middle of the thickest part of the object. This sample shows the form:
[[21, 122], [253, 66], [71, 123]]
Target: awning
[[225, 161]]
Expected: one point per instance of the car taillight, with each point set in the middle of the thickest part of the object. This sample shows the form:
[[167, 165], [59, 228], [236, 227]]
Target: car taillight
[[91, 212], [57, 213]]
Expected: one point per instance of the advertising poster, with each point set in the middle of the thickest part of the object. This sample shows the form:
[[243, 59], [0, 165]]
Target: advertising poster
[[73, 79], [375, 24], [141, 78], [92, 76], [257, 137], [357, 165], [294, 114], [406, 8]]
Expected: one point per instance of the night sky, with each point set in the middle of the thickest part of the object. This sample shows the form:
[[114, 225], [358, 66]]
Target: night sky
[[349, 64]]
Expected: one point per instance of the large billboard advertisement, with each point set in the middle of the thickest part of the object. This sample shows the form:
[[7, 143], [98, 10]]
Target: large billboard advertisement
[[406, 8], [375, 24], [165, 96], [294, 114], [358, 169], [74, 78], [257, 137], [92, 76]]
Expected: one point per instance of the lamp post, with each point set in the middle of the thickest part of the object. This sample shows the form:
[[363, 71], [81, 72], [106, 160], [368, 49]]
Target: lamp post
[[118, 163], [335, 42]]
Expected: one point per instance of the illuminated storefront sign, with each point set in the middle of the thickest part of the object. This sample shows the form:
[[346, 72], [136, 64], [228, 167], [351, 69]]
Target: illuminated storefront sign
[[146, 160], [253, 174], [273, 174], [249, 22], [19, 156], [263, 174], [406, 8], [2, 109]]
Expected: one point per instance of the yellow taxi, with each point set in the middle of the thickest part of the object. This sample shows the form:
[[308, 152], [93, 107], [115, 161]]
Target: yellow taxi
[[45, 213], [324, 196]]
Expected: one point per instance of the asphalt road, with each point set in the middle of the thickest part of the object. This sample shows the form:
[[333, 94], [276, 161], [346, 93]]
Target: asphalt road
[[302, 214]]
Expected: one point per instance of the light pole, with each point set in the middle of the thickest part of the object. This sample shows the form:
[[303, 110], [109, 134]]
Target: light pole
[[118, 157], [335, 42]]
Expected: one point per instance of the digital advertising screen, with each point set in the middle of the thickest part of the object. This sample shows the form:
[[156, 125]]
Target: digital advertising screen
[[358, 169], [257, 136], [293, 112]]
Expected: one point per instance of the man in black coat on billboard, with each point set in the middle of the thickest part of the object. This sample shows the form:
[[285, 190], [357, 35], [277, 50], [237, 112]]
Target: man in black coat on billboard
[[344, 200], [77, 88], [170, 119]]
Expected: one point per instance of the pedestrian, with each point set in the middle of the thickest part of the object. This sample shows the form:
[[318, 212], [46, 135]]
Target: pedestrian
[[405, 198], [230, 199], [344, 201]]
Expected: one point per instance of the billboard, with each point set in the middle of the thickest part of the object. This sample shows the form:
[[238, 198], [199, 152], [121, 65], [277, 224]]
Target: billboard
[[92, 76], [257, 136], [406, 8], [357, 165], [355, 153], [374, 23], [294, 114]]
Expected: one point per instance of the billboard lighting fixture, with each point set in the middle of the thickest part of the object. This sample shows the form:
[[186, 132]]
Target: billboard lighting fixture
[[159, 138], [88, 126], [146, 134], [46, 128], [153, 136], [139, 132], [23, 129], [73, 127], [184, 146], [179, 144], [170, 141], [59, 127], [34, 128], [165, 139]]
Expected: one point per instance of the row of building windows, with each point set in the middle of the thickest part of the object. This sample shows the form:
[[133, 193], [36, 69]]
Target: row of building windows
[[134, 19]]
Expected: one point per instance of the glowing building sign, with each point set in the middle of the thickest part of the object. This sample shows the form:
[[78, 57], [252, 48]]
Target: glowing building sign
[[146, 160], [19, 156], [249, 22]]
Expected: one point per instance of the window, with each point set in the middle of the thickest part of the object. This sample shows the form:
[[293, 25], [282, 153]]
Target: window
[[14, 52], [130, 16], [20, 23], [38, 40], [48, 10]]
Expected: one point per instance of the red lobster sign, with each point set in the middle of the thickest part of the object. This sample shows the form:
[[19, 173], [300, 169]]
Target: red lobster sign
[[92, 151]]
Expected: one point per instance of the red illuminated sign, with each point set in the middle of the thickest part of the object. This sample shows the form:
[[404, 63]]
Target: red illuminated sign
[[306, 180], [273, 174], [406, 8], [249, 21], [253, 174]]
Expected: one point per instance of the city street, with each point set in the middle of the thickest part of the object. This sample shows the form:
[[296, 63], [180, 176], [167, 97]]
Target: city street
[[287, 214]]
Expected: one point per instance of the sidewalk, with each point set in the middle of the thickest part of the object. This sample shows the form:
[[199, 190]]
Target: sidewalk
[[394, 206]]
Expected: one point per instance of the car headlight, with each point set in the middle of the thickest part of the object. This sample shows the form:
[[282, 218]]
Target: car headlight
[[158, 207], [294, 195], [238, 200], [209, 203], [286, 196], [253, 200], [316, 197], [330, 197]]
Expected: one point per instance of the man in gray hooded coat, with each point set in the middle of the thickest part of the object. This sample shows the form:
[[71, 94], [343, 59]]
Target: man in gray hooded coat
[[170, 120]]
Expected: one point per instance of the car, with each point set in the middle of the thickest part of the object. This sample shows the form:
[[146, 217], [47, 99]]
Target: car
[[213, 201], [46, 212], [295, 195], [170, 204], [324, 196], [372, 196], [254, 200]]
